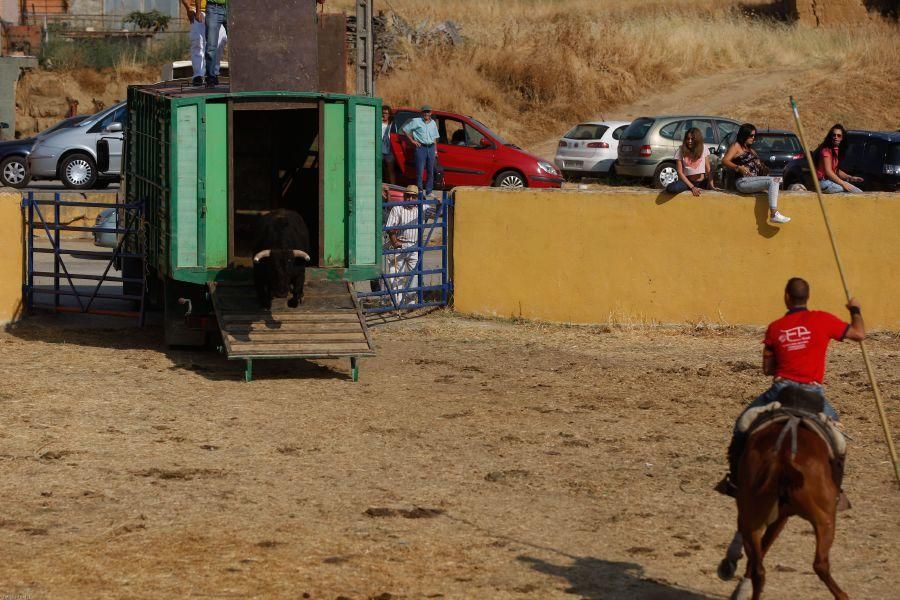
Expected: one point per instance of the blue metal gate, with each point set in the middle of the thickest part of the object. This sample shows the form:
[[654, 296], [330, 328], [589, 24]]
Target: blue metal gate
[[428, 283], [55, 286]]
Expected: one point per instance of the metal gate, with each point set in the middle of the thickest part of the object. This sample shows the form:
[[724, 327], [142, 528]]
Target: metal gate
[[81, 271], [428, 284]]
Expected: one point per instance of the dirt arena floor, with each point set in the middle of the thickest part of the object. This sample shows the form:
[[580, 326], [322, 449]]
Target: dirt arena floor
[[474, 459]]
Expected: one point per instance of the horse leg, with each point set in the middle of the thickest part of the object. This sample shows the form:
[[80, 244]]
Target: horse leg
[[772, 532], [822, 565], [755, 573], [733, 554]]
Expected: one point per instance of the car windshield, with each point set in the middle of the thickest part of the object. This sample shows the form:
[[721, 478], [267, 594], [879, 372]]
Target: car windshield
[[96, 117], [586, 131], [777, 143], [638, 129], [893, 155], [70, 122], [487, 130]]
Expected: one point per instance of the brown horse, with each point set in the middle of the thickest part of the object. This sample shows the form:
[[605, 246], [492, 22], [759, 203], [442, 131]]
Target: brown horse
[[779, 477]]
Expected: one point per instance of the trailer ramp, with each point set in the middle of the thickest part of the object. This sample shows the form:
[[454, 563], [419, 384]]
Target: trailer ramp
[[328, 324]]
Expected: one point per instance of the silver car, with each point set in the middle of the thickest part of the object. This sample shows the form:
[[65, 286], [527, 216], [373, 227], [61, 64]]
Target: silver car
[[70, 155], [647, 147]]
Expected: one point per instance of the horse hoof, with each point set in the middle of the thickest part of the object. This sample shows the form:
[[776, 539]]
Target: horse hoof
[[743, 591], [726, 569]]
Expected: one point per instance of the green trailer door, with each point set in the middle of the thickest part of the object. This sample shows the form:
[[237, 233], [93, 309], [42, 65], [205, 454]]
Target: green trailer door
[[186, 251], [334, 189], [215, 201], [366, 217]]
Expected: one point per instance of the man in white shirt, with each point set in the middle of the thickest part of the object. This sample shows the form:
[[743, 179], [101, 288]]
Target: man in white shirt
[[401, 238]]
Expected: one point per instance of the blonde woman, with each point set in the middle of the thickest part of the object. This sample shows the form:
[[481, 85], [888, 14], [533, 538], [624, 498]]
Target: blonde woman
[[692, 164]]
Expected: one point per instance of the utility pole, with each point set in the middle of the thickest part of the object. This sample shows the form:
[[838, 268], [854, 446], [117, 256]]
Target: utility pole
[[365, 49]]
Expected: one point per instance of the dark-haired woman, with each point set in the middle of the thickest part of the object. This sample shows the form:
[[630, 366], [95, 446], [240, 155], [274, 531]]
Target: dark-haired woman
[[827, 157], [692, 164], [387, 153], [751, 172]]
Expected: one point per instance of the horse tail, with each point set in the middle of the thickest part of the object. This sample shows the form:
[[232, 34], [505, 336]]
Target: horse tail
[[790, 478]]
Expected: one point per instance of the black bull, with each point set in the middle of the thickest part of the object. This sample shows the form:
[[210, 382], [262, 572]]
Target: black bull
[[280, 254]]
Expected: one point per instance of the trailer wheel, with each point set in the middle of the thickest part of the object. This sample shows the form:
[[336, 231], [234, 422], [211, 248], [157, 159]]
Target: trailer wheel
[[78, 171]]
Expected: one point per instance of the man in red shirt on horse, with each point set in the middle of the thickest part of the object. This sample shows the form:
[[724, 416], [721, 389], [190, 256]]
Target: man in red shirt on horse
[[794, 353]]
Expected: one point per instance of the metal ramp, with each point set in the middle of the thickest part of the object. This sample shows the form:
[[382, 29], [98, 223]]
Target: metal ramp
[[328, 324]]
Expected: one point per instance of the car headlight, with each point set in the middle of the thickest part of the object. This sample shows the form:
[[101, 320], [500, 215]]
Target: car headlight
[[547, 167]]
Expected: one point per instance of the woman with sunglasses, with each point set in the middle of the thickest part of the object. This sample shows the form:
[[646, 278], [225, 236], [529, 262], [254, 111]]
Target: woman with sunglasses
[[752, 173], [828, 157]]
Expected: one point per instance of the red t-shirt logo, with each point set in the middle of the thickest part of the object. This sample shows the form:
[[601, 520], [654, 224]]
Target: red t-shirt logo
[[799, 341]]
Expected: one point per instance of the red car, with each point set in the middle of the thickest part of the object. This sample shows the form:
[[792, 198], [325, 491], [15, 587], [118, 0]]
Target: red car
[[471, 154]]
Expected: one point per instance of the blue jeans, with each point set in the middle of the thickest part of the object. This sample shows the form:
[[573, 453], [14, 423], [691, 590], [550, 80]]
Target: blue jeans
[[830, 187], [759, 183], [216, 17], [425, 157], [771, 394], [678, 186]]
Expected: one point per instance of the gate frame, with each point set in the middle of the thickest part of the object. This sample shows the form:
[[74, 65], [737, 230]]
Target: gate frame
[[440, 216], [133, 218]]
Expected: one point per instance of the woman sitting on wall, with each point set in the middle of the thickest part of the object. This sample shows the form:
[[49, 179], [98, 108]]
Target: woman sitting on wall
[[827, 158], [692, 164], [752, 173]]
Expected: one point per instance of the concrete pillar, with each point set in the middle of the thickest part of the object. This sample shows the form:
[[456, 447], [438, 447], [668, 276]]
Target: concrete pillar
[[10, 70]]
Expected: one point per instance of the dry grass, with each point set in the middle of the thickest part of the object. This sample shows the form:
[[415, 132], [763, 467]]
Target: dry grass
[[533, 67]]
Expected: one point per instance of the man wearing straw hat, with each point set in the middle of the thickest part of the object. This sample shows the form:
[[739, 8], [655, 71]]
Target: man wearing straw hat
[[403, 233]]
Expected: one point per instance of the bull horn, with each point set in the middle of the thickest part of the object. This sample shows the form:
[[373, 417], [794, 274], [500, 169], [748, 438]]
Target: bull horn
[[261, 255], [301, 254]]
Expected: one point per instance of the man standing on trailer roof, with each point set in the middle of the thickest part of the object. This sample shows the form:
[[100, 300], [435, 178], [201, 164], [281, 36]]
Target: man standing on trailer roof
[[216, 19], [197, 37]]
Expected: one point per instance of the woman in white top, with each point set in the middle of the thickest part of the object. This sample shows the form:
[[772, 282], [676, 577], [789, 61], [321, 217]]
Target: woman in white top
[[692, 164]]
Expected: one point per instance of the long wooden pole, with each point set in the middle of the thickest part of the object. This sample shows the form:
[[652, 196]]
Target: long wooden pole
[[837, 257]]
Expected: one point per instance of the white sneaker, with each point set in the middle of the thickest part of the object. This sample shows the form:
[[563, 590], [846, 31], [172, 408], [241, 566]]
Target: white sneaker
[[779, 218]]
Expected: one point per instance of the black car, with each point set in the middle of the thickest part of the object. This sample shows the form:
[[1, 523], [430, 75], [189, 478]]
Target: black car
[[775, 147], [13, 168], [872, 155]]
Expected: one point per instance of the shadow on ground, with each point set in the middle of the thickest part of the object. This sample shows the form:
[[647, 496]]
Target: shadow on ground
[[595, 579], [96, 331]]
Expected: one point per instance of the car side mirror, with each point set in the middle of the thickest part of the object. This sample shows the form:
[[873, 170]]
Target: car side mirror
[[114, 128], [484, 143], [4, 125]]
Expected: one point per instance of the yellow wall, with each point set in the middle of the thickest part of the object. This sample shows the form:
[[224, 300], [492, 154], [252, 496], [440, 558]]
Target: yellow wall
[[642, 256], [12, 257]]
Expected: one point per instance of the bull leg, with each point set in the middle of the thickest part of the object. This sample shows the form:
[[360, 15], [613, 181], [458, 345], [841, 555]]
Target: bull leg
[[822, 565], [297, 288]]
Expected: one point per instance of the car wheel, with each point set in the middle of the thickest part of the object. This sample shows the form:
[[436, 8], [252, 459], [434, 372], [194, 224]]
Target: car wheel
[[14, 172], [509, 179], [78, 172], [664, 175]]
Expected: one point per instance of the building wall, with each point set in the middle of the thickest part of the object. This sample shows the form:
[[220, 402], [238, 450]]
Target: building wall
[[12, 259], [9, 11], [640, 256]]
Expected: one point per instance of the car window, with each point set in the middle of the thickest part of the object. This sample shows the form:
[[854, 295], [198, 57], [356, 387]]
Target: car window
[[777, 143], [617, 134], [119, 115], [704, 125], [473, 136], [671, 130], [726, 128], [489, 132], [586, 131], [400, 119], [638, 129], [893, 156], [874, 157], [854, 156]]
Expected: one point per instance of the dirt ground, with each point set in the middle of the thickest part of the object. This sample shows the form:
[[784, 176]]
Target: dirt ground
[[474, 459]]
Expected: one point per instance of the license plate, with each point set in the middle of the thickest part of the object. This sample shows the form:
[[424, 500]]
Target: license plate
[[627, 148], [572, 164]]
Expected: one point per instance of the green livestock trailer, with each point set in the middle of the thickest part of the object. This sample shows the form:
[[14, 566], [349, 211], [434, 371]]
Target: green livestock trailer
[[206, 164]]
